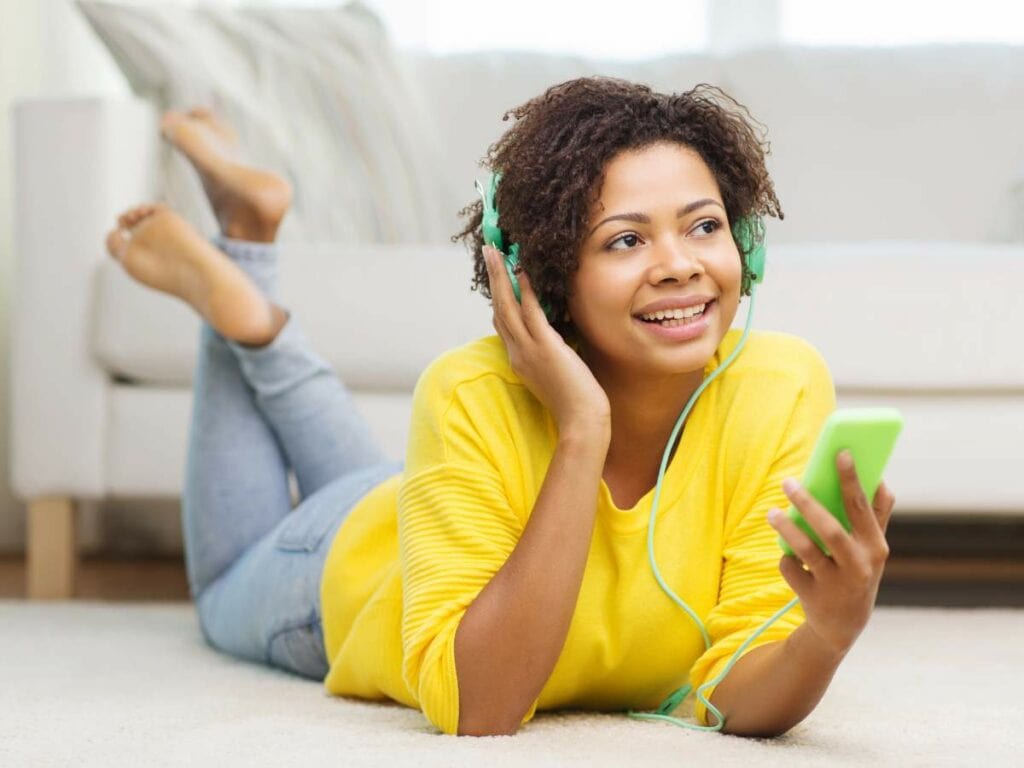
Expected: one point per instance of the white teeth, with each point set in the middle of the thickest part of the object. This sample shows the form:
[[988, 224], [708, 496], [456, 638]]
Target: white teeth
[[678, 314]]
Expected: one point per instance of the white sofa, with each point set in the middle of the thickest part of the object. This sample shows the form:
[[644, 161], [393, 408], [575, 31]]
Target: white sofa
[[900, 258]]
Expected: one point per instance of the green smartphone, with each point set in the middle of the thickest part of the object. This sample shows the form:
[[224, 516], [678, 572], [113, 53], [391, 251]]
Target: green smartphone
[[870, 434]]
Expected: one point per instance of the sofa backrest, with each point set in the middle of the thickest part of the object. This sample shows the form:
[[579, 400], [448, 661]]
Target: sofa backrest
[[918, 142]]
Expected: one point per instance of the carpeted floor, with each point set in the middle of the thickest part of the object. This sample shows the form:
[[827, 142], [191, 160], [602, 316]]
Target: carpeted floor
[[112, 684]]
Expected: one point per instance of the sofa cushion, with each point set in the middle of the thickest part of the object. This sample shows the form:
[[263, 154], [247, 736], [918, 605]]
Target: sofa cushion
[[145, 439], [145, 443], [908, 316], [317, 94]]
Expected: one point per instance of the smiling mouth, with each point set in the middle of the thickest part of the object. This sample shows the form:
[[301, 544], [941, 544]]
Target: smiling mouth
[[675, 323]]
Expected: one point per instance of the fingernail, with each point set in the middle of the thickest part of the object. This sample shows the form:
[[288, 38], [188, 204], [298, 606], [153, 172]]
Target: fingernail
[[773, 515], [845, 458], [789, 485]]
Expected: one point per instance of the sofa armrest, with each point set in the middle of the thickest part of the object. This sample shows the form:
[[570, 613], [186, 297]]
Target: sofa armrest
[[78, 162]]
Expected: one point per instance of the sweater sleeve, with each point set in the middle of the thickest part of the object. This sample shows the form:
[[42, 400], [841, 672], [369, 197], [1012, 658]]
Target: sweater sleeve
[[456, 530], [752, 587]]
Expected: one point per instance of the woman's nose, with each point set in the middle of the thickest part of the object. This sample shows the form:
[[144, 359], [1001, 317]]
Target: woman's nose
[[677, 259]]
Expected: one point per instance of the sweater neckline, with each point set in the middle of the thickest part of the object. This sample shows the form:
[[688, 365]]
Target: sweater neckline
[[678, 473]]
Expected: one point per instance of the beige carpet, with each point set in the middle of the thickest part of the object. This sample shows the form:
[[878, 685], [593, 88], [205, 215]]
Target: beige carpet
[[111, 684]]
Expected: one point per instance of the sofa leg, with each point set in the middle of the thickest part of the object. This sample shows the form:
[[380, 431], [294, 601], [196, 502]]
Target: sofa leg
[[52, 549]]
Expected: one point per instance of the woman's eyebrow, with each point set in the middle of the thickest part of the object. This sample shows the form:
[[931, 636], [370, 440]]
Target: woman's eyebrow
[[643, 218]]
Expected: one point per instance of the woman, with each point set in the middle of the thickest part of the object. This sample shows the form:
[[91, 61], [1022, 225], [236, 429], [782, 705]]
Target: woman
[[502, 567]]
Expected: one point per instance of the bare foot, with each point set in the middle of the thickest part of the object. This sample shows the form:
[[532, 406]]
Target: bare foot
[[160, 249], [248, 203]]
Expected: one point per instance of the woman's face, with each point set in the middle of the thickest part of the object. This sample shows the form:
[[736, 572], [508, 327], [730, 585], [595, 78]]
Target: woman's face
[[658, 232]]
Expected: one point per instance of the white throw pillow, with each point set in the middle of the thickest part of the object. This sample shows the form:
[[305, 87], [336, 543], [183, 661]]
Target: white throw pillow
[[318, 95]]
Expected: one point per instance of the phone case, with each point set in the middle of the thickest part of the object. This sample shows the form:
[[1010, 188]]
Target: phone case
[[870, 434]]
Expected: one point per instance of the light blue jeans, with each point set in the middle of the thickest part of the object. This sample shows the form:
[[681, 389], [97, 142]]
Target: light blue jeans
[[253, 562]]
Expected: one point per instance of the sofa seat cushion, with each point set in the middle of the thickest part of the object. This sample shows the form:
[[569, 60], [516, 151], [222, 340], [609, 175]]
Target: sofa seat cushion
[[903, 316], [934, 469], [146, 436]]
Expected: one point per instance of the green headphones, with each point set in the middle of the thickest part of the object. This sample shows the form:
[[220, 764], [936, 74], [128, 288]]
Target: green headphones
[[747, 231], [493, 235]]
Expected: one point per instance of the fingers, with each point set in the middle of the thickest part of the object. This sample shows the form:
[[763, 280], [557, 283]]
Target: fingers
[[520, 320], [864, 546], [860, 514], [533, 313], [797, 576], [883, 505], [801, 544], [868, 521], [501, 295], [829, 530]]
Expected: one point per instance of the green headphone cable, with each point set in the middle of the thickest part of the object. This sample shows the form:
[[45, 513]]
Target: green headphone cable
[[676, 697]]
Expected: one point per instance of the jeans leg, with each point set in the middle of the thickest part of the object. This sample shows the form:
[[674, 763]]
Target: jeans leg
[[266, 607], [236, 478], [322, 433], [256, 411], [236, 473]]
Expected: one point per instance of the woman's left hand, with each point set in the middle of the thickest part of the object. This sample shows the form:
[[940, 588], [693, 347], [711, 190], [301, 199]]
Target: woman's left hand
[[838, 592]]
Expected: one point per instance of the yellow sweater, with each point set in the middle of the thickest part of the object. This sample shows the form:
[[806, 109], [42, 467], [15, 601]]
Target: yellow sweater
[[415, 552]]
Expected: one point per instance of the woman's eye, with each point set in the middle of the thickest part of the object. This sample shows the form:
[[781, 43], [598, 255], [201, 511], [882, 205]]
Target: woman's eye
[[629, 239], [710, 222]]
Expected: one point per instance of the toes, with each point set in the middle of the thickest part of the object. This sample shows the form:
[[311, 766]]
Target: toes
[[117, 243], [132, 216], [169, 120], [214, 119], [127, 219], [143, 212]]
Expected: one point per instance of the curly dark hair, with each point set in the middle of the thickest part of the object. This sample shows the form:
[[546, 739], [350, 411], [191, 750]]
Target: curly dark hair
[[552, 162]]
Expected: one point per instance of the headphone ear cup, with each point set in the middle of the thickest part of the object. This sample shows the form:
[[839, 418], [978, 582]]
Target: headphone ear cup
[[489, 228], [749, 234], [756, 265], [493, 235]]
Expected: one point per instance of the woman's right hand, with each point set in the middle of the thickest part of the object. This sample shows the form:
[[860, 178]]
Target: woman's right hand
[[549, 367]]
